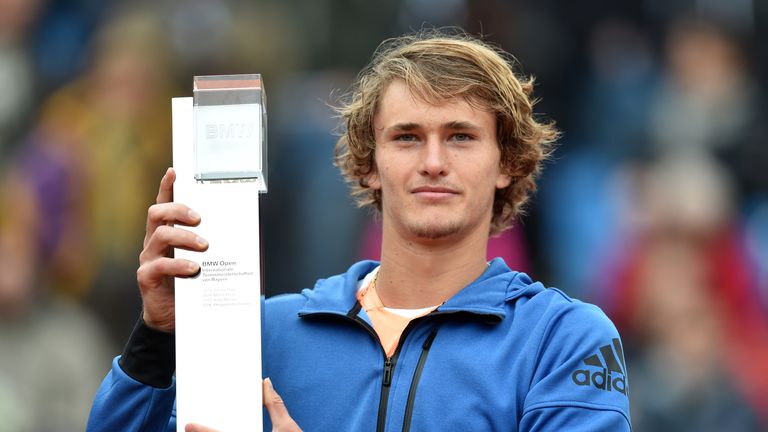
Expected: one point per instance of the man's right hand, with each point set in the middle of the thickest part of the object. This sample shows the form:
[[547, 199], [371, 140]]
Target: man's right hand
[[157, 267]]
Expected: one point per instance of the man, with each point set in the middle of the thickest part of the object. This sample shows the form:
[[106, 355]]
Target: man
[[440, 139]]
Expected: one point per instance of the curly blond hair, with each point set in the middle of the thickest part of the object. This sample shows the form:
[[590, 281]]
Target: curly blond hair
[[437, 66]]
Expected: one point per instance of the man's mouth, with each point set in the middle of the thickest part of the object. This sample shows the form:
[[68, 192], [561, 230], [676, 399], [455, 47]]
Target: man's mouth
[[434, 192]]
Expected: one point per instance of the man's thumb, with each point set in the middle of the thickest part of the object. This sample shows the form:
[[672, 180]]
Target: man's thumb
[[278, 413]]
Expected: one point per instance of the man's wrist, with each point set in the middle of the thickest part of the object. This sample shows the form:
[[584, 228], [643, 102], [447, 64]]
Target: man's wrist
[[150, 356]]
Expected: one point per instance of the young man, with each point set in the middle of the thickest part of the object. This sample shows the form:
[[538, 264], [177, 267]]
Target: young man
[[441, 139]]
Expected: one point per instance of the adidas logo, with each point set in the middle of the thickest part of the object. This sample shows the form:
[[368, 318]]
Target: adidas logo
[[606, 378]]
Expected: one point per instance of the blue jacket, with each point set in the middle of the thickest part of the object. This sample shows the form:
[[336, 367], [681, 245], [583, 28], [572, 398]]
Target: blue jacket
[[503, 354]]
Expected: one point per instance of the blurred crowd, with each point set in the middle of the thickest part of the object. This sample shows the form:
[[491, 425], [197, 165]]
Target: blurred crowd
[[655, 205]]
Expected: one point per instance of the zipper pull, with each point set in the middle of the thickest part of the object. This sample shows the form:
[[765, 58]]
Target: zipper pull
[[387, 372]]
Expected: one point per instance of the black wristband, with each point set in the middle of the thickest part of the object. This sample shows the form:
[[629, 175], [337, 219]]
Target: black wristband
[[150, 356]]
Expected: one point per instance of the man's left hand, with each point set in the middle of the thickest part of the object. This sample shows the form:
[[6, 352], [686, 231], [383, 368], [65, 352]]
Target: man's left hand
[[278, 413]]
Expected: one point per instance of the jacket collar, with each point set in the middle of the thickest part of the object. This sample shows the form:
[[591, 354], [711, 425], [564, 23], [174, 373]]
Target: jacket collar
[[485, 297]]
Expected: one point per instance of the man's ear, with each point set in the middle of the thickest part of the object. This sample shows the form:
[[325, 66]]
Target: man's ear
[[503, 180], [372, 180]]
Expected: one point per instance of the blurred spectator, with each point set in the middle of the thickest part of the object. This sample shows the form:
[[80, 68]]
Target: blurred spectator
[[679, 382], [93, 158], [686, 301], [707, 100], [53, 351], [16, 69]]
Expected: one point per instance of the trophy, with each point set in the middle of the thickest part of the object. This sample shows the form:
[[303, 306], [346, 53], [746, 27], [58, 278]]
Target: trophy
[[219, 154]]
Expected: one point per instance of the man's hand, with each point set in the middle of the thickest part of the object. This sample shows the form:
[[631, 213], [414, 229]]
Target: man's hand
[[278, 413], [157, 267]]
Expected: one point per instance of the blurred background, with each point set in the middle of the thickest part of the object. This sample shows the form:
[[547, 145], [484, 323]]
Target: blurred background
[[655, 206]]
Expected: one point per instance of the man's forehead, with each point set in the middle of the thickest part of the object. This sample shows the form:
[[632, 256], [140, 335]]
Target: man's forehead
[[399, 99], [426, 94], [422, 94]]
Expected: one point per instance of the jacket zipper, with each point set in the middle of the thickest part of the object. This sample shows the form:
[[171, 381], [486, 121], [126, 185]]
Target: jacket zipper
[[390, 362], [416, 378], [389, 372], [389, 367]]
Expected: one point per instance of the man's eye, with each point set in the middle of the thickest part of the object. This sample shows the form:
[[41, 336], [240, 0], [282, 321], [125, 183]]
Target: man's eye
[[461, 137], [406, 137]]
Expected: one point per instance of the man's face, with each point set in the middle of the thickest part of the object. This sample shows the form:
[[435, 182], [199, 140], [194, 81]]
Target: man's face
[[438, 166]]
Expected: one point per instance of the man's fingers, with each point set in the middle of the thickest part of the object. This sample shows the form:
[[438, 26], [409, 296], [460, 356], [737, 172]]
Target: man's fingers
[[191, 427], [165, 193], [167, 236], [278, 413], [172, 213], [152, 272], [169, 214]]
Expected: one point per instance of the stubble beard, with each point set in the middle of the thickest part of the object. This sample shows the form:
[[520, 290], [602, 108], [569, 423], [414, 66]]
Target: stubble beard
[[434, 230]]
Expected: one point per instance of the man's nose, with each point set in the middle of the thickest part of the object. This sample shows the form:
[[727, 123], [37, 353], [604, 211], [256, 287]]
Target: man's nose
[[435, 158]]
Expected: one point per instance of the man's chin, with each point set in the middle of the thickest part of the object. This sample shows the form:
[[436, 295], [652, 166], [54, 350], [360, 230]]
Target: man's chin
[[433, 231]]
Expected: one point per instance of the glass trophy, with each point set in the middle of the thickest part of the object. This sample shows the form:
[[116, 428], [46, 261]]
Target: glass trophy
[[230, 122]]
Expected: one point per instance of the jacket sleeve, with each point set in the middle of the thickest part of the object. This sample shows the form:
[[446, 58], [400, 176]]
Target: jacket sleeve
[[124, 404], [580, 383]]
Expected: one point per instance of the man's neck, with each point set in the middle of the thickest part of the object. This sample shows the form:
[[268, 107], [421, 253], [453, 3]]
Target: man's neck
[[418, 273]]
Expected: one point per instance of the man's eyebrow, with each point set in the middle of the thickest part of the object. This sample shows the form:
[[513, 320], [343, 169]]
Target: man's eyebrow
[[456, 124], [404, 126]]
